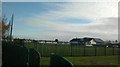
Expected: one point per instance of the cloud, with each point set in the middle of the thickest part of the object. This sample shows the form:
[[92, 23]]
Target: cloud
[[83, 10], [103, 16], [106, 29]]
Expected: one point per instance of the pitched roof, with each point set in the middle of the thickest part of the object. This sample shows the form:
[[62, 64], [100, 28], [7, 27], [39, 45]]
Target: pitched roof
[[98, 40], [87, 39], [77, 39]]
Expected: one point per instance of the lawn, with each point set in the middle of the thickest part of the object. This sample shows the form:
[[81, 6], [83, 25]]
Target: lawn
[[88, 60]]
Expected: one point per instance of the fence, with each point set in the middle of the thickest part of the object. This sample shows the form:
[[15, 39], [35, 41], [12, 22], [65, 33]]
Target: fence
[[73, 50]]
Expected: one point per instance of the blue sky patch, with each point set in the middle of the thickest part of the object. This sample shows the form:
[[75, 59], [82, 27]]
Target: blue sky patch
[[76, 21]]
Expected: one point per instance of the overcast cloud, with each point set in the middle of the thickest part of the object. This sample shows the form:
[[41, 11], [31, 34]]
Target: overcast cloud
[[103, 16]]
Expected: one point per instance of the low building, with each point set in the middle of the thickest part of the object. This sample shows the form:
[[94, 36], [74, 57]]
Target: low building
[[28, 41], [63, 42], [53, 42], [24, 40], [47, 41]]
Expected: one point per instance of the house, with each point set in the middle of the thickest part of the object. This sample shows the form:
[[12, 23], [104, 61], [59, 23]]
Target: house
[[97, 41], [86, 41], [77, 41]]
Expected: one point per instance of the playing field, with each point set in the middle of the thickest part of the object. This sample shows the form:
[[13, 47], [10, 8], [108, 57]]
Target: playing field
[[89, 60], [78, 55], [72, 51]]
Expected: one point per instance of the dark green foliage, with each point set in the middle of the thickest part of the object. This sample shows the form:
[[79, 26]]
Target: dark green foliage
[[59, 61], [34, 58], [14, 55]]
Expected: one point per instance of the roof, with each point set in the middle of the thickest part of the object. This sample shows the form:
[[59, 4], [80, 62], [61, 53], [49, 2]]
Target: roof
[[77, 39], [98, 40], [87, 39]]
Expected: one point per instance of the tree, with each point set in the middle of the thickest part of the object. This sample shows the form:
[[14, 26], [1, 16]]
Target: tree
[[56, 40], [5, 29], [109, 41], [116, 41]]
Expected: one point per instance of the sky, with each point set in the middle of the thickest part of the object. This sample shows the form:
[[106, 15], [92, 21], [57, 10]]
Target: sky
[[60, 0], [63, 20]]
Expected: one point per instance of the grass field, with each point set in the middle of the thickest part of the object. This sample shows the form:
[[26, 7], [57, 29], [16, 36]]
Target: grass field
[[70, 51], [89, 60], [78, 55]]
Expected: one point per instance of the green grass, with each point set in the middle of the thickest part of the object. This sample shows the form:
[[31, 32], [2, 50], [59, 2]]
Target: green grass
[[67, 50], [78, 57], [89, 60]]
